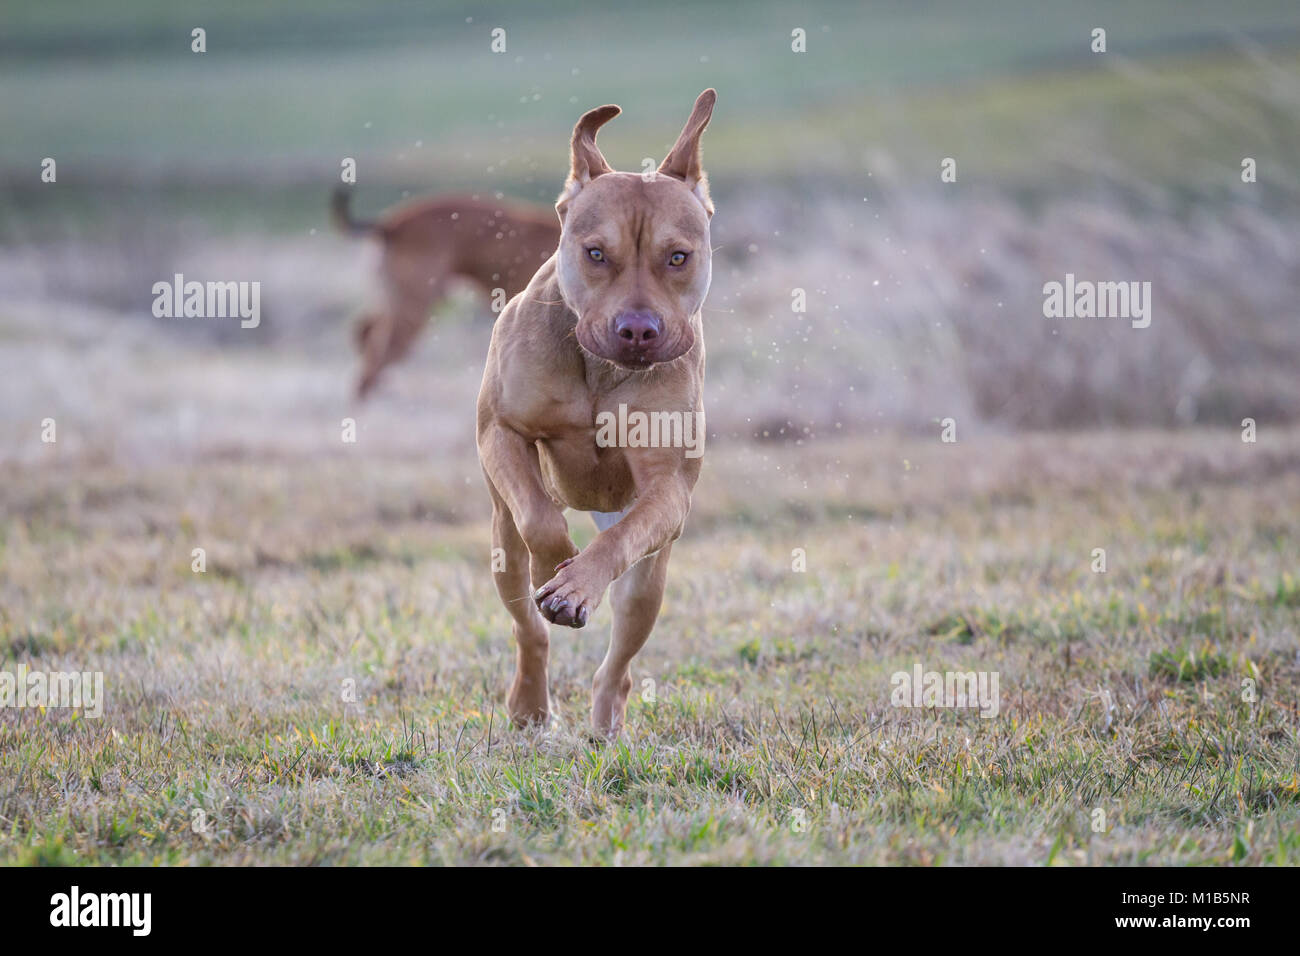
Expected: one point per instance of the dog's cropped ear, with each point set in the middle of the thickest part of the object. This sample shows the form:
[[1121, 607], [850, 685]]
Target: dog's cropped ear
[[684, 161], [586, 162]]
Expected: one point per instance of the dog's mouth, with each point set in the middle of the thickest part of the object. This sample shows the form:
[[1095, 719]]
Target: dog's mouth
[[634, 364], [639, 363], [634, 358]]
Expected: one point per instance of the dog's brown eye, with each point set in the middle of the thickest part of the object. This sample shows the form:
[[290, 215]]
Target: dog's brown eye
[[596, 255], [677, 259]]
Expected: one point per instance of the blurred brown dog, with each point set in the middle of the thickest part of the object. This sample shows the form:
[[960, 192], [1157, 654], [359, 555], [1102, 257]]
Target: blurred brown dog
[[427, 243], [609, 329]]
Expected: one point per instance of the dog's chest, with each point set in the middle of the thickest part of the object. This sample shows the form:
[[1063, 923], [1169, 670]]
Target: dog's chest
[[584, 475]]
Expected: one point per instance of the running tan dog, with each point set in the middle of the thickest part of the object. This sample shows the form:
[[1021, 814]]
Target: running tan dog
[[610, 326], [429, 242]]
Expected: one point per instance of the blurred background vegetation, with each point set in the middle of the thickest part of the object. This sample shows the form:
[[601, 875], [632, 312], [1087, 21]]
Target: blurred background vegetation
[[1010, 87], [925, 297]]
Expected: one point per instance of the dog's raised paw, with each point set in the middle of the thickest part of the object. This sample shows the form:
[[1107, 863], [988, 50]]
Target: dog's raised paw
[[563, 600], [563, 611]]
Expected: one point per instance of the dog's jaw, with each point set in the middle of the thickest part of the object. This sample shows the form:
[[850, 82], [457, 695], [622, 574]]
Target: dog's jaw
[[644, 361]]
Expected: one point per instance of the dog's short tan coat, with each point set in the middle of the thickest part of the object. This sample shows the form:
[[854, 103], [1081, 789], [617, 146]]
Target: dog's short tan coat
[[613, 318], [427, 243]]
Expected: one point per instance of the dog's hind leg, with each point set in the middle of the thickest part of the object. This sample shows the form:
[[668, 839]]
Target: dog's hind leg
[[374, 332], [386, 336], [412, 283], [635, 598]]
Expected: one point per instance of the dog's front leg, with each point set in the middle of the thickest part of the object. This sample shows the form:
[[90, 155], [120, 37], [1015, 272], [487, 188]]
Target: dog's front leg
[[633, 554], [529, 537], [654, 520], [510, 462]]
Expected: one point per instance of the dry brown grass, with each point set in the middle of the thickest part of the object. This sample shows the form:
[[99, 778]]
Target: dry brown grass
[[1119, 691]]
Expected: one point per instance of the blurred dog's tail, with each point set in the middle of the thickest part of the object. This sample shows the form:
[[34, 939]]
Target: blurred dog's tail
[[341, 214]]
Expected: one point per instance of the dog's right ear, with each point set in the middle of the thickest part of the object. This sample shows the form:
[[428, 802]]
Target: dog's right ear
[[684, 161], [586, 162]]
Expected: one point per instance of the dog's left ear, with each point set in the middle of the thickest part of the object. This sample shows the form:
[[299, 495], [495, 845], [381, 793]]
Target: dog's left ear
[[586, 161], [684, 161]]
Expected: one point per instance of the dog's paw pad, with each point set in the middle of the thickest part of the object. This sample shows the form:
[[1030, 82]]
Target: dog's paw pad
[[563, 611]]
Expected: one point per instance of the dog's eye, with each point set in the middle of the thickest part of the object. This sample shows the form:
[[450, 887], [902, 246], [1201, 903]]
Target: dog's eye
[[677, 259], [596, 255]]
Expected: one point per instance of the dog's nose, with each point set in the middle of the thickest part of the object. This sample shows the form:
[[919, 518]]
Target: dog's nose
[[638, 327]]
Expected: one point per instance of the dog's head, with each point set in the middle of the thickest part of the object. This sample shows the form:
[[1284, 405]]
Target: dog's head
[[634, 262]]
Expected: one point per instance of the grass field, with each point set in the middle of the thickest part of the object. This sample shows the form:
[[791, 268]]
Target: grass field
[[1120, 691]]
